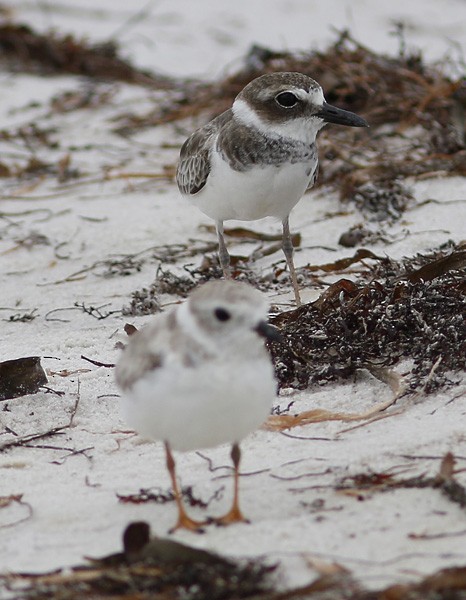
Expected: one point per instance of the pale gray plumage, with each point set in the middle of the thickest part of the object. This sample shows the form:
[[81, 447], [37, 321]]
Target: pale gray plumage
[[200, 376]]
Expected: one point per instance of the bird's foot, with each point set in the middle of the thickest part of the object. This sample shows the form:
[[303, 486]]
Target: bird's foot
[[185, 522], [232, 516]]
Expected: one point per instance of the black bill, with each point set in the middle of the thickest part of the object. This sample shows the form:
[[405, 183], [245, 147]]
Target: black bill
[[269, 332], [332, 114]]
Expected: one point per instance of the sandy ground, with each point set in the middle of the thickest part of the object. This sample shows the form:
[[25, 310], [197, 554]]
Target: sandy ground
[[71, 480]]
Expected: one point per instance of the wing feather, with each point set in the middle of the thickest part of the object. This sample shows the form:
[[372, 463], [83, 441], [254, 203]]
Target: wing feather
[[194, 166]]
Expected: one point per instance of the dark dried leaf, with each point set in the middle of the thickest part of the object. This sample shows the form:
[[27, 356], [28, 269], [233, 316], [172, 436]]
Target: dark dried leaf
[[98, 363], [438, 267], [130, 329], [21, 376], [384, 482], [344, 263]]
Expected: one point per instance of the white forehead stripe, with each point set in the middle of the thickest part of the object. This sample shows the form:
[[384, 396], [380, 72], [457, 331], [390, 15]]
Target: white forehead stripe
[[315, 96]]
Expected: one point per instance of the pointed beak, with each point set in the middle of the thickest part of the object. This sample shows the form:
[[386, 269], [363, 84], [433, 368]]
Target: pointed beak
[[269, 332], [332, 114]]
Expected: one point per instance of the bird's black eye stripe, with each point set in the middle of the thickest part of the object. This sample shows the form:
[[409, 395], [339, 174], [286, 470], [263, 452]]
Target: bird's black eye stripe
[[286, 99], [222, 314]]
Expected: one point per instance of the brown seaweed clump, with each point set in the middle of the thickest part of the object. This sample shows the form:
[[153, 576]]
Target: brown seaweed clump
[[409, 309]]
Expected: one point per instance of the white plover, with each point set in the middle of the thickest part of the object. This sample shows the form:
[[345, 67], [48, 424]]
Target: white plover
[[200, 376]]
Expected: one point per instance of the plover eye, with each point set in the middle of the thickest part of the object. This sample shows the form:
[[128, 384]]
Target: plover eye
[[222, 314], [286, 99]]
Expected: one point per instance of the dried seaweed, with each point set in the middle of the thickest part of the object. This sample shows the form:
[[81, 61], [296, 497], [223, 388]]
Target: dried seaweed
[[281, 422], [96, 311], [163, 569], [123, 267], [160, 496], [366, 234], [415, 110], [409, 309], [383, 482], [23, 49], [152, 569], [143, 302], [382, 202]]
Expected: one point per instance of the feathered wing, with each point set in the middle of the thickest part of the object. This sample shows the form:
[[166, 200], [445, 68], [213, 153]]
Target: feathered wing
[[144, 352], [194, 166], [155, 346]]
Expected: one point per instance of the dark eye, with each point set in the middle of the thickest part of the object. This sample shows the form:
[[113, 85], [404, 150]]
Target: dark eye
[[286, 99], [222, 314]]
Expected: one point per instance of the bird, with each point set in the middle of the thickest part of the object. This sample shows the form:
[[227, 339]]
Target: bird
[[199, 376], [258, 158]]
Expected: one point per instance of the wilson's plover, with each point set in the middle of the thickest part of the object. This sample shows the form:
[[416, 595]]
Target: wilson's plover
[[259, 157]]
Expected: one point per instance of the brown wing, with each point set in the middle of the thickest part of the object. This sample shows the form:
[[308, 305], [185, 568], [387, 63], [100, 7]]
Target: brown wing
[[194, 166]]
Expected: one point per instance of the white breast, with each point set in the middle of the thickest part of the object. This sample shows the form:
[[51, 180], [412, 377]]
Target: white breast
[[268, 191], [202, 407]]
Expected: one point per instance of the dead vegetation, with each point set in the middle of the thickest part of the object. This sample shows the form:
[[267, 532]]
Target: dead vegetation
[[161, 568], [22, 49], [416, 112], [389, 312], [410, 309]]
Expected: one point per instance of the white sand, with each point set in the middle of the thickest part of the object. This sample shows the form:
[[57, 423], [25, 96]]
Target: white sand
[[75, 510]]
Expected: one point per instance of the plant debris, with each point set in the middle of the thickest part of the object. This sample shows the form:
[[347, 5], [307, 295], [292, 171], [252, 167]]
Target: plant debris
[[23, 49], [149, 568], [15, 500], [383, 482], [383, 202], [152, 568], [143, 302], [160, 496], [21, 376], [96, 311], [409, 309]]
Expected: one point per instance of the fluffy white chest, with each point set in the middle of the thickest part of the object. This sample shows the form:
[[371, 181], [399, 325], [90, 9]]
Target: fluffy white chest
[[261, 191], [211, 404]]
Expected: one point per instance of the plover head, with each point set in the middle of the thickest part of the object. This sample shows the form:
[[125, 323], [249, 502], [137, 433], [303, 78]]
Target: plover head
[[289, 105], [221, 311]]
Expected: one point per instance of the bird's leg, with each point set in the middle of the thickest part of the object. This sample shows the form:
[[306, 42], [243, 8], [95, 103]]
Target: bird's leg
[[234, 515], [183, 522], [223, 255], [287, 246]]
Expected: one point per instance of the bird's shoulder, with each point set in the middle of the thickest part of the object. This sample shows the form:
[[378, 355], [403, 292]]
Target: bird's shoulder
[[194, 165], [162, 344]]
